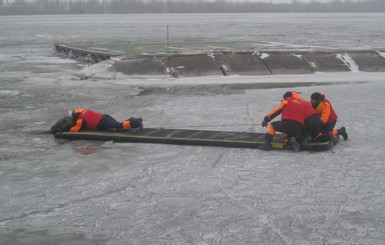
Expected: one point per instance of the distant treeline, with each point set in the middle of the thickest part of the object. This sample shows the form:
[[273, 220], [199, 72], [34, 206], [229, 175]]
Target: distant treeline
[[154, 6]]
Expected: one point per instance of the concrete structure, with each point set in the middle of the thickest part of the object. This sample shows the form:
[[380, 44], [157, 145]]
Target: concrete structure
[[286, 63], [322, 61], [369, 61], [192, 65], [241, 63], [141, 66], [220, 62]]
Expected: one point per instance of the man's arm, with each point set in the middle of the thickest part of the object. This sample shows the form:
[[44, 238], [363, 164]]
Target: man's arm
[[77, 126]]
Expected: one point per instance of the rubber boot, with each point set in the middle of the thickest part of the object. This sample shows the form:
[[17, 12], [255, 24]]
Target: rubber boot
[[294, 144], [136, 122], [307, 140], [267, 146], [333, 139], [342, 131]]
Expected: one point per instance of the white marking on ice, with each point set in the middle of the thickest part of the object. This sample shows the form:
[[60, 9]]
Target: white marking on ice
[[9, 92], [236, 79], [117, 58], [99, 70], [313, 64], [217, 47], [348, 61], [381, 53], [40, 123], [297, 46], [263, 55], [211, 55], [186, 49], [299, 56]]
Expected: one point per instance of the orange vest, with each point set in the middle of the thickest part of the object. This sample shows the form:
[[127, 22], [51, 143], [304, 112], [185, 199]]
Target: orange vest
[[325, 114], [333, 115]]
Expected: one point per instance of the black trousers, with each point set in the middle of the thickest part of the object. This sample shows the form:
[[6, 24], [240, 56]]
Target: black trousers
[[327, 128], [313, 126], [291, 128], [107, 123]]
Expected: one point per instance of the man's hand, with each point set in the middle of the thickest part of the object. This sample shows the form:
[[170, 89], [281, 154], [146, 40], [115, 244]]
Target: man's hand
[[264, 123]]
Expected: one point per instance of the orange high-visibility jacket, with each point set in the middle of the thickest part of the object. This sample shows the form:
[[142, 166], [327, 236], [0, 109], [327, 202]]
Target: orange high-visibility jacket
[[326, 112]]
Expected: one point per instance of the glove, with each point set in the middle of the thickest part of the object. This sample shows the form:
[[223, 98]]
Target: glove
[[264, 123]]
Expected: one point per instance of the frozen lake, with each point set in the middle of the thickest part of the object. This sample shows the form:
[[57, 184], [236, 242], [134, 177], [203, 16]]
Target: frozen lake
[[58, 192]]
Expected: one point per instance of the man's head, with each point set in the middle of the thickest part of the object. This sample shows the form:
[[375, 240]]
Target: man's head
[[63, 125], [287, 94], [292, 94], [317, 97]]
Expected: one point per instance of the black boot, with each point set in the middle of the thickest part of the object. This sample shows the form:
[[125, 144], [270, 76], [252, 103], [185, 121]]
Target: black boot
[[136, 122], [333, 139], [342, 131], [267, 146], [294, 144], [307, 140]]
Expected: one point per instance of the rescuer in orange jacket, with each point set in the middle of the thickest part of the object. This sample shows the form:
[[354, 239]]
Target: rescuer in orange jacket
[[328, 117], [293, 110], [90, 120]]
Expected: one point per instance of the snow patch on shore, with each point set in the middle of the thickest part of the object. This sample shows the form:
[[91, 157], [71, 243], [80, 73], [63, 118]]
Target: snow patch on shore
[[349, 62]]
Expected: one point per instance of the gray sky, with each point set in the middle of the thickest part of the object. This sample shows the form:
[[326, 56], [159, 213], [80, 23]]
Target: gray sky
[[264, 1], [285, 1], [278, 1]]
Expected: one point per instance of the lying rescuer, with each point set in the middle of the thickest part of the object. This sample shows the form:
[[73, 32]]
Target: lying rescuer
[[89, 120], [298, 119], [328, 117]]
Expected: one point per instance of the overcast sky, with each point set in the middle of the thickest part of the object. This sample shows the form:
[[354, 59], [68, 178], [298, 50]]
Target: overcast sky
[[285, 1], [269, 1]]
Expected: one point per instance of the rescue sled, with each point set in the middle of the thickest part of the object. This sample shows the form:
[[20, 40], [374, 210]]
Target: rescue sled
[[191, 137]]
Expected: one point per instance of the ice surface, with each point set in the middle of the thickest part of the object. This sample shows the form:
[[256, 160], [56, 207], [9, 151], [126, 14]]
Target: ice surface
[[82, 192], [9, 92]]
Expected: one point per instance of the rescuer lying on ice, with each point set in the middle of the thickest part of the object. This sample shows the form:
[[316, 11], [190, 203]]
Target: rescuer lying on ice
[[298, 119], [81, 119], [328, 117]]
